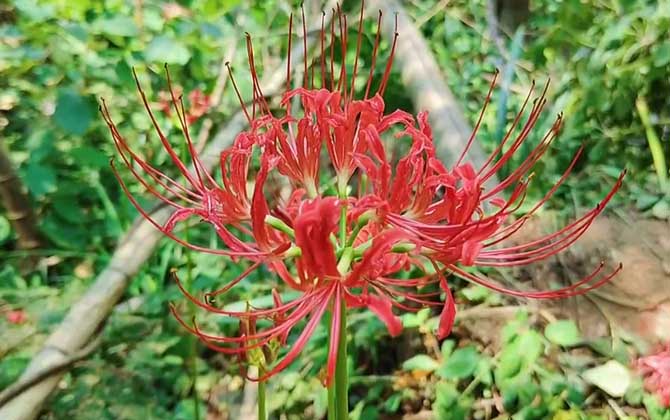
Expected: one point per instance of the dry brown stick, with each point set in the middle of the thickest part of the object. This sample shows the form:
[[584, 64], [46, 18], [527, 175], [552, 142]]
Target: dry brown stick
[[87, 314], [16, 203], [18, 387], [426, 84]]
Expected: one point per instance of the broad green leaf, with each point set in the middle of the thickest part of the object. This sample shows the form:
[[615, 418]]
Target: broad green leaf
[[73, 112], [519, 355], [117, 25], [476, 293], [484, 371], [446, 348], [5, 229], [612, 377], [661, 210], [461, 364], [420, 362], [563, 332], [34, 11], [164, 49], [662, 55], [40, 179], [89, 156], [414, 320], [654, 408], [567, 415], [450, 404]]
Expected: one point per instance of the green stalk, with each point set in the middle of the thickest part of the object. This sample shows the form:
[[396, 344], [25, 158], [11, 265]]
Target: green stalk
[[343, 226], [341, 374], [193, 355], [279, 224], [655, 146], [332, 409], [194, 378], [262, 414], [338, 398]]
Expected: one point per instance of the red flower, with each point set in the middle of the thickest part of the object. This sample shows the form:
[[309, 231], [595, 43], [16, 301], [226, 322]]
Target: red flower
[[16, 317], [656, 371], [344, 243], [199, 103]]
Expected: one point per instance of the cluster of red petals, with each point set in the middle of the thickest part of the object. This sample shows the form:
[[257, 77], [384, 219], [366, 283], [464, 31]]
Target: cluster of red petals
[[656, 371], [351, 217], [16, 316], [199, 103]]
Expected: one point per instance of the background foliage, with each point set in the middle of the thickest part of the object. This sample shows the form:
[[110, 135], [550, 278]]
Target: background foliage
[[609, 62]]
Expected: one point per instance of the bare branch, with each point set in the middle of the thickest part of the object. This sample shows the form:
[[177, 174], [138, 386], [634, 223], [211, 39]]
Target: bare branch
[[16, 203]]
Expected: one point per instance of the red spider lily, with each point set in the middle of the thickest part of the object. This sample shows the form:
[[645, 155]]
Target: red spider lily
[[199, 102], [656, 371], [16, 317], [345, 245]]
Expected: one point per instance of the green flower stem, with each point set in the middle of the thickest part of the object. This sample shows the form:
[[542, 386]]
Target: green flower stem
[[332, 408], [262, 414], [279, 224], [362, 221], [192, 361], [343, 226], [341, 374], [345, 262], [655, 145]]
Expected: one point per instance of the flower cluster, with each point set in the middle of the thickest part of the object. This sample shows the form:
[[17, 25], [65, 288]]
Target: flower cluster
[[656, 371], [200, 103], [353, 216]]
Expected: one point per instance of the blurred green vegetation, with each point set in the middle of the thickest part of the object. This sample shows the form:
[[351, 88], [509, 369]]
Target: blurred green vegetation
[[609, 62]]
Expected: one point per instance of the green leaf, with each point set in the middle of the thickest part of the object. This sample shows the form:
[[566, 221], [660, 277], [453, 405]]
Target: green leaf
[[461, 364], [414, 320], [661, 210], [563, 332], [34, 11], [392, 403], [5, 229], [446, 348], [654, 408], [66, 206], [450, 404], [420, 362], [612, 377], [73, 112], [117, 25], [163, 49], [662, 55], [40, 179], [89, 156], [476, 293], [519, 355], [485, 371]]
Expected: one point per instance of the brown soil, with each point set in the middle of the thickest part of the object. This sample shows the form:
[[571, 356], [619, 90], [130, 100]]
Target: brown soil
[[634, 304]]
